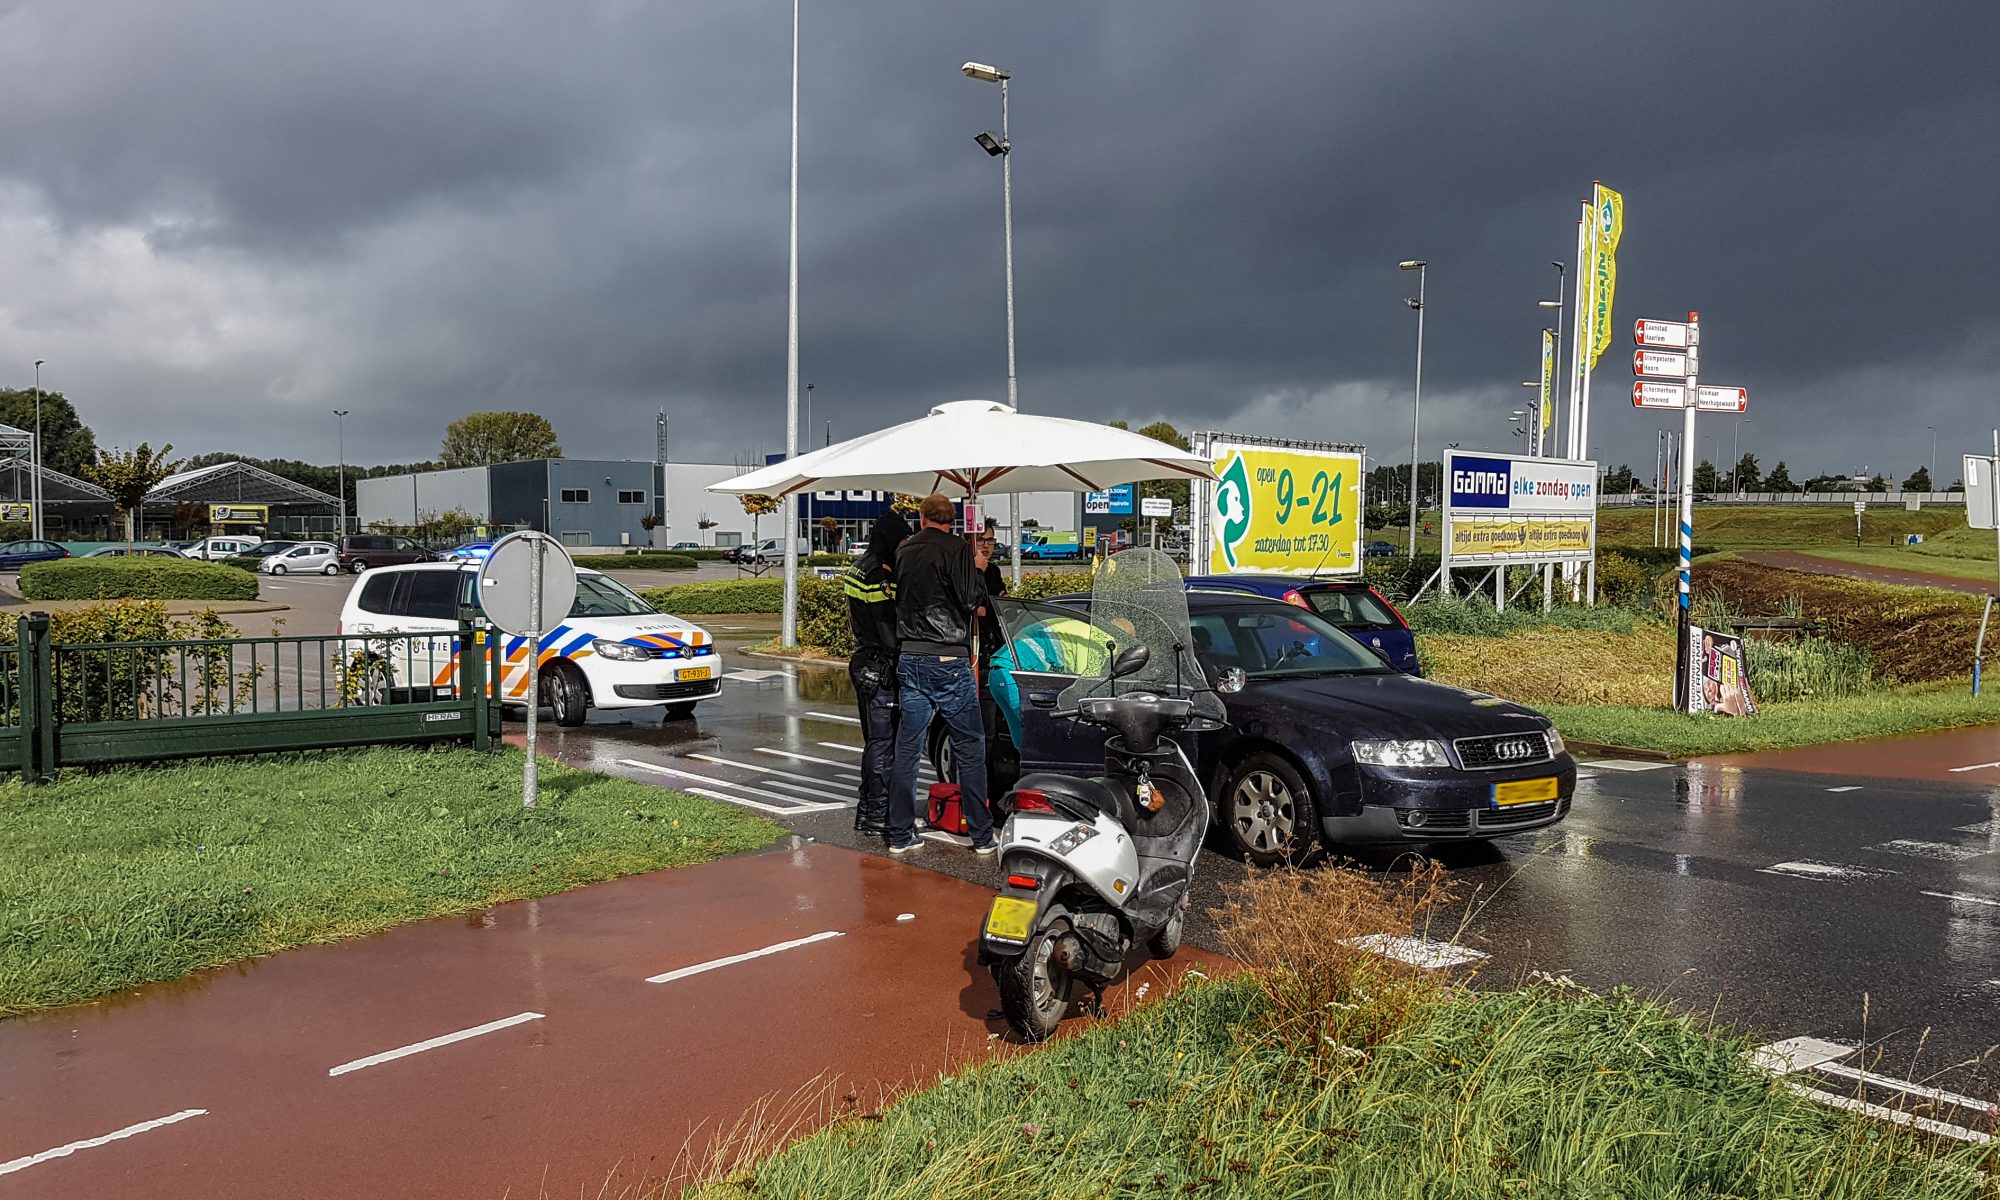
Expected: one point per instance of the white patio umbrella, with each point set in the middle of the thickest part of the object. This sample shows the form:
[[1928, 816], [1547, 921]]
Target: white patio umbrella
[[971, 447]]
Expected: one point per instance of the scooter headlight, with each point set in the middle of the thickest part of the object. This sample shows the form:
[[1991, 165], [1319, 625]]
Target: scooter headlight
[[1069, 839]]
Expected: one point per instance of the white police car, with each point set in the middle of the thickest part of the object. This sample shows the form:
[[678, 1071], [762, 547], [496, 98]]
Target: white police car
[[613, 650]]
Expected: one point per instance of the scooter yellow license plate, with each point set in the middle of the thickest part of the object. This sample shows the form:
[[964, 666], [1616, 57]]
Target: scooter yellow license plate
[[1010, 919]]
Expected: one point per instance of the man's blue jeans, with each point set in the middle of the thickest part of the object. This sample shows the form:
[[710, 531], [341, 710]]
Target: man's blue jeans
[[946, 687]]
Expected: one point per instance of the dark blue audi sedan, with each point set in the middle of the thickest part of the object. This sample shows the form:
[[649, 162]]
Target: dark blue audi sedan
[[1325, 742], [1352, 604]]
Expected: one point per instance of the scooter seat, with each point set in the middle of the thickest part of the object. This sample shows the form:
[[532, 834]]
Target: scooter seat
[[1082, 799]]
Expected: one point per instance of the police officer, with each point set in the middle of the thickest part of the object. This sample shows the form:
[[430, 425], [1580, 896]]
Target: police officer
[[871, 613]]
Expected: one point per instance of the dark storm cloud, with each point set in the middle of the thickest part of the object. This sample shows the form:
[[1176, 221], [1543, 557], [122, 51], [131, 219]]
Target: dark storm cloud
[[418, 210]]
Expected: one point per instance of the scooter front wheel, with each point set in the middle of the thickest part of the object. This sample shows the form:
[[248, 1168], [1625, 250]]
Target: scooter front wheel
[[1167, 941], [1034, 989]]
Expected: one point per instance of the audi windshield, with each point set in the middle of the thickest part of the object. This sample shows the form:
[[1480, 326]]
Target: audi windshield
[[1273, 641]]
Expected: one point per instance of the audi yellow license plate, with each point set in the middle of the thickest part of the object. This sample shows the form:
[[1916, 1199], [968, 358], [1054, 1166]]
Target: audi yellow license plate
[[1523, 791], [1010, 919], [692, 673]]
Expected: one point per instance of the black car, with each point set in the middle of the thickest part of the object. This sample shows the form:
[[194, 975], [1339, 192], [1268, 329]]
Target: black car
[[1324, 740]]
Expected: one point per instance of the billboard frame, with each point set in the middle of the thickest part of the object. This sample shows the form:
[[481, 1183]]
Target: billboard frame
[[1201, 495], [1509, 512]]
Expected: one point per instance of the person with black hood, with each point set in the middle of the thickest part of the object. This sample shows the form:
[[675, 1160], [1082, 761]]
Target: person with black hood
[[871, 613]]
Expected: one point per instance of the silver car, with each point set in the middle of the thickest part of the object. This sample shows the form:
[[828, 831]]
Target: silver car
[[304, 558]]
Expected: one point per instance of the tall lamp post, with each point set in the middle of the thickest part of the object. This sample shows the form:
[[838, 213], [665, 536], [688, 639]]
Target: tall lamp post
[[1416, 409], [1933, 430], [1562, 278], [1002, 148], [340, 436], [788, 633], [1736, 453], [35, 488]]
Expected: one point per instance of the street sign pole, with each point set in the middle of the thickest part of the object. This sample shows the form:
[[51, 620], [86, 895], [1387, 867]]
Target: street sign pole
[[530, 777], [1683, 700], [520, 588]]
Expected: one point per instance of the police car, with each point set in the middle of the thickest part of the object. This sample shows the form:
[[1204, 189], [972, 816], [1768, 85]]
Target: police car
[[613, 650]]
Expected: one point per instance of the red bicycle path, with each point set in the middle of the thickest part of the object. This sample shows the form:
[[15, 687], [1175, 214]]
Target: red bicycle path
[[1810, 565], [601, 1091]]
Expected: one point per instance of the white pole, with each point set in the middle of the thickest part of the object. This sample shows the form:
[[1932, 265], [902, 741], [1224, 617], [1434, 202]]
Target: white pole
[[1417, 408], [1682, 693], [1013, 386], [1583, 290], [340, 421], [35, 485], [789, 633]]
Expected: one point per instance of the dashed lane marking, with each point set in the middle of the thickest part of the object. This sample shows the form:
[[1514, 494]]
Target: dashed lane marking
[[1797, 1054], [64, 1151], [1988, 827], [1628, 764], [433, 1043], [794, 809], [854, 750], [755, 676], [1962, 898], [746, 956], [1975, 767], [1807, 869], [789, 786], [793, 754], [1418, 952], [1852, 787], [792, 804], [835, 717], [1940, 851], [761, 770]]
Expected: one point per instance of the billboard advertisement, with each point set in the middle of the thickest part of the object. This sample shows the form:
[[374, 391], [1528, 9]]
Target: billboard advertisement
[[239, 514], [1115, 503], [1507, 508], [1718, 679], [1286, 508]]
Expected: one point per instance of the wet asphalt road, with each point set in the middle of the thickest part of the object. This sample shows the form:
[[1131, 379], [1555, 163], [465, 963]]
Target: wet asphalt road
[[1853, 908]]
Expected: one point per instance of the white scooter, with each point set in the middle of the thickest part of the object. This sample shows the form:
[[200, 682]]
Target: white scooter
[[1092, 867]]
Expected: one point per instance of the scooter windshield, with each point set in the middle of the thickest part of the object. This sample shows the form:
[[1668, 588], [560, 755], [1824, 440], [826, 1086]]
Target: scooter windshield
[[1138, 598]]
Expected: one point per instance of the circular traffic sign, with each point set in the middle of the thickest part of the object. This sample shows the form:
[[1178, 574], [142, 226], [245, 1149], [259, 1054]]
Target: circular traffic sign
[[506, 583]]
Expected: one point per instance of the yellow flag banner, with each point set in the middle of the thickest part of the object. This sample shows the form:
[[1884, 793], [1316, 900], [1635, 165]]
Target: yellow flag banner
[[1548, 377], [1606, 227]]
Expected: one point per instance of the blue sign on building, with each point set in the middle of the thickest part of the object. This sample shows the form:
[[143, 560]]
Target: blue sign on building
[[1117, 502]]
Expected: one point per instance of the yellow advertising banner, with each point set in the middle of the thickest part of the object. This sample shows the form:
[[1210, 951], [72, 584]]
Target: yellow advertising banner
[[17, 510], [1548, 377], [239, 514], [1285, 511], [1535, 537], [1607, 226]]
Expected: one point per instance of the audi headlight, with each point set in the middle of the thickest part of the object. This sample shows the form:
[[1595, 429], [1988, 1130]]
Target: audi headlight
[[620, 652], [1555, 741], [1385, 753]]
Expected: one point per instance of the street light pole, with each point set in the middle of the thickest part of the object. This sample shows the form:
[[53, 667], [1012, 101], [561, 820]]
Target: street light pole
[[1004, 150], [340, 421], [1417, 408], [1542, 423], [35, 486], [1736, 453], [1933, 430], [789, 624]]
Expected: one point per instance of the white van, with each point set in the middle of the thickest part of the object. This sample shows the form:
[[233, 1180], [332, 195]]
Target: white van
[[613, 650]]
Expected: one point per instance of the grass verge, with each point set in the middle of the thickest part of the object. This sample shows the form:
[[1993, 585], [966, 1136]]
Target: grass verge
[[112, 880], [1330, 1073], [1923, 708]]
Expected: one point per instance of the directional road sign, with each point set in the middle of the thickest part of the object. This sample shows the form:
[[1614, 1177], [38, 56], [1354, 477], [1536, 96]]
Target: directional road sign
[[1721, 399], [1674, 335], [1659, 395], [1661, 364], [1156, 506]]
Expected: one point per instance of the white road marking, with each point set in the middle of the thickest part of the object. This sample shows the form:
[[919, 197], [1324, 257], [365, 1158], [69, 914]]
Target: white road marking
[[1628, 764], [854, 750], [1797, 1054], [1941, 851], [776, 810], [950, 839], [835, 717], [64, 1151], [433, 1043], [755, 676], [822, 793], [923, 768], [1852, 787], [1418, 952], [802, 757], [1982, 827], [792, 805], [1975, 767], [1819, 870], [1964, 899], [1901, 1085], [1891, 1115], [746, 956], [730, 762]]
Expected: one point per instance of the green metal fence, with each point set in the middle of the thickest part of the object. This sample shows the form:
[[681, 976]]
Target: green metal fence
[[82, 704]]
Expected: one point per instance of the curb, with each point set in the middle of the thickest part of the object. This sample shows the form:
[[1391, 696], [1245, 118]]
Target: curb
[[1606, 750]]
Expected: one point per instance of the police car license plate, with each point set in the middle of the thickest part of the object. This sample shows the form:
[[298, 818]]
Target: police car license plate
[[1523, 791], [688, 673], [1010, 918]]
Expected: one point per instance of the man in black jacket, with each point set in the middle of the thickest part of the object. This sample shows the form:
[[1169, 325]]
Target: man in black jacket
[[871, 612], [939, 587]]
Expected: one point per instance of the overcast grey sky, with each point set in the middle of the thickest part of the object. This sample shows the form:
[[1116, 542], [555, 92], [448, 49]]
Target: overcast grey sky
[[221, 219]]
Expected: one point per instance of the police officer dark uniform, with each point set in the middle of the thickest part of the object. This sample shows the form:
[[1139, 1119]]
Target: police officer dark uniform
[[871, 612]]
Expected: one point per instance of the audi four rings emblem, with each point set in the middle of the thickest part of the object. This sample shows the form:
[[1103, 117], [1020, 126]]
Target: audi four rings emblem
[[1518, 748]]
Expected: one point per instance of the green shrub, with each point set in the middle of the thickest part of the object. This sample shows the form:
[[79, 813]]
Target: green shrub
[[1473, 616], [243, 562], [1043, 584], [823, 623], [118, 683], [719, 596], [1807, 668], [144, 578], [14, 531], [824, 559], [1398, 577], [1622, 582], [651, 560]]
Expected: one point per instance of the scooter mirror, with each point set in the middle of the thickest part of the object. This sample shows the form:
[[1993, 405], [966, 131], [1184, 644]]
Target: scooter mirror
[[1131, 662], [1232, 681]]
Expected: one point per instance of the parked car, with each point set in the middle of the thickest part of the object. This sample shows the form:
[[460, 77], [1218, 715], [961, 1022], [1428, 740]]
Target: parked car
[[306, 558], [267, 549], [1351, 604], [135, 552], [364, 550], [1050, 543], [223, 545], [771, 550], [614, 650], [679, 547], [1379, 550], [470, 552], [1325, 742], [15, 555]]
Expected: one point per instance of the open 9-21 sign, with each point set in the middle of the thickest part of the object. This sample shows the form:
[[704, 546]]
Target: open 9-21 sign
[[1284, 510]]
